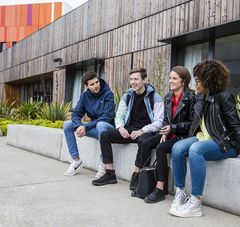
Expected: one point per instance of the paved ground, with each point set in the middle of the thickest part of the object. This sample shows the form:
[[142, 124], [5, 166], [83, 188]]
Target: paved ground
[[34, 192]]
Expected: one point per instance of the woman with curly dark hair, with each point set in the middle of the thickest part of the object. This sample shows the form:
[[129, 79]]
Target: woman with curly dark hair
[[214, 135]]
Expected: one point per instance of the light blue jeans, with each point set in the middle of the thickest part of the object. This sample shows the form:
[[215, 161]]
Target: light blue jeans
[[93, 133], [198, 152]]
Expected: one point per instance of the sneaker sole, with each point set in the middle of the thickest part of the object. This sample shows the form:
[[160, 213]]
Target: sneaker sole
[[155, 201], [104, 183], [189, 215]]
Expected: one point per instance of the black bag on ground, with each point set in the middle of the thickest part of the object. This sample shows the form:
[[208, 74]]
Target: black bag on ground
[[146, 181]]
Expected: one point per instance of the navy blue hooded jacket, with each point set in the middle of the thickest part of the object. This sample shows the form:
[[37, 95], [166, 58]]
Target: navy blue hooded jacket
[[99, 107]]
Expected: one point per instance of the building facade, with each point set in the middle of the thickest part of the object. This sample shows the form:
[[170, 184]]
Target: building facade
[[19, 21], [111, 37]]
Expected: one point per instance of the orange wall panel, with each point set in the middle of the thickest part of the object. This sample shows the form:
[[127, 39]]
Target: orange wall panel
[[2, 34], [2, 16], [57, 10], [9, 44], [21, 32], [35, 14], [23, 15], [10, 16], [11, 34], [20, 21], [44, 16]]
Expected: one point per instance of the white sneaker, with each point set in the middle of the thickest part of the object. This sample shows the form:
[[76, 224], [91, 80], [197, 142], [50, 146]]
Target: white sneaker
[[178, 200], [74, 168], [101, 170], [190, 209]]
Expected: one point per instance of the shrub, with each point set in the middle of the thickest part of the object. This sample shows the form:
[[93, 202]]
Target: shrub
[[117, 97], [28, 110], [6, 110], [55, 111], [238, 104], [39, 122]]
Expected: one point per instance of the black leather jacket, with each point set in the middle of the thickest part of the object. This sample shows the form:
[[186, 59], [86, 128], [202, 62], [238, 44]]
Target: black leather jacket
[[183, 117], [221, 119]]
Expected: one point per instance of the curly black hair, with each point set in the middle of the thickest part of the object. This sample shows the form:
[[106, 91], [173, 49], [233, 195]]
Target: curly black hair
[[213, 75]]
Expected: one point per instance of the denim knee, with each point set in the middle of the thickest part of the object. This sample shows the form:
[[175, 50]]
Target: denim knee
[[194, 150], [103, 126], [177, 149], [68, 126]]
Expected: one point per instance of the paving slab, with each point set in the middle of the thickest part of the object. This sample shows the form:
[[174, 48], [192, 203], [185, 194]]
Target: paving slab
[[34, 192]]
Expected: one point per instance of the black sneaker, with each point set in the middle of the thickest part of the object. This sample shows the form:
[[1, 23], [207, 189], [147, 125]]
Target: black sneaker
[[134, 181], [155, 196], [108, 178], [134, 193]]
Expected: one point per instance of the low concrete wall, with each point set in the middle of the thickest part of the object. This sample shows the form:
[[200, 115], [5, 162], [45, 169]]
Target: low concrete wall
[[40, 140], [222, 185], [222, 181]]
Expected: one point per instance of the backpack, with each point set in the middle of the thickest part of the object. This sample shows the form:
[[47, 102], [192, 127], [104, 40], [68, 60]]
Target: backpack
[[151, 99]]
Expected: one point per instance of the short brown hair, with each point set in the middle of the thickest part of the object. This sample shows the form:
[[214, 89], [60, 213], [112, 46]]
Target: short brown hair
[[213, 75], [140, 70], [88, 76], [184, 75]]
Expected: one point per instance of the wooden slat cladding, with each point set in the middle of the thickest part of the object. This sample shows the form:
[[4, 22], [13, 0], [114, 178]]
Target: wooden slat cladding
[[117, 72], [93, 18], [112, 30], [117, 69], [2, 92], [12, 92], [59, 78], [149, 60]]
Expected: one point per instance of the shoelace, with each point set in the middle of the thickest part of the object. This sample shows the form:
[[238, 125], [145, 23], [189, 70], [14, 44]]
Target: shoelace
[[179, 194], [188, 202]]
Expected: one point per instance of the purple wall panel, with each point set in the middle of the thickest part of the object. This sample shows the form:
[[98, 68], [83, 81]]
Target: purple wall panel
[[29, 15]]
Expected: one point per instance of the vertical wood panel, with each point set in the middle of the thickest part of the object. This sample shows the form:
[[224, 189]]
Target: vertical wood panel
[[59, 78]]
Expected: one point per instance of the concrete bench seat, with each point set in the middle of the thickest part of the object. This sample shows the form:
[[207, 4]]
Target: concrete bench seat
[[222, 181]]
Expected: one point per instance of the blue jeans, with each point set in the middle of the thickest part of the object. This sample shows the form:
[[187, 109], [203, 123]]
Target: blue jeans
[[93, 133], [198, 152]]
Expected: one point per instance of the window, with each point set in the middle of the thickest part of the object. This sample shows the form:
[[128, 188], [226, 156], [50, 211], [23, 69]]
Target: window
[[74, 86], [227, 49], [194, 54], [3, 46], [42, 90]]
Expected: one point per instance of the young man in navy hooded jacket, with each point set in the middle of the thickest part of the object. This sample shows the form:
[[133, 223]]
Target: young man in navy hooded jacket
[[98, 103]]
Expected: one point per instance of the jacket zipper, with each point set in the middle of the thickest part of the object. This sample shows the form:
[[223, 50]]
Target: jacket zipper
[[198, 123], [224, 129], [225, 148]]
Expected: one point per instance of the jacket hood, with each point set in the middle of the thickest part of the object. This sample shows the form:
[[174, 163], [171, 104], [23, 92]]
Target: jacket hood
[[104, 87]]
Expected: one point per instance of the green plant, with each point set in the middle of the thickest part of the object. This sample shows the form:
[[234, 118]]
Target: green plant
[[238, 104], [117, 97], [158, 75], [28, 110], [55, 111], [6, 110], [39, 122]]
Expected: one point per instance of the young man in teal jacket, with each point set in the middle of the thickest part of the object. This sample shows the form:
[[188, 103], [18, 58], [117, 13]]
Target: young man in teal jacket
[[140, 111], [97, 102]]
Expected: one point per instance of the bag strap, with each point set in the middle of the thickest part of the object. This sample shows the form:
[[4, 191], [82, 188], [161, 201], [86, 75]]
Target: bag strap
[[154, 163]]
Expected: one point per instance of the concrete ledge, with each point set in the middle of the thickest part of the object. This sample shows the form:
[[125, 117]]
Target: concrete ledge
[[222, 185], [222, 182], [41, 140]]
